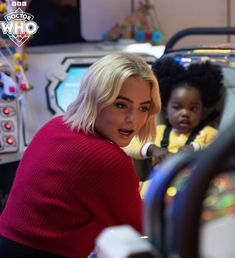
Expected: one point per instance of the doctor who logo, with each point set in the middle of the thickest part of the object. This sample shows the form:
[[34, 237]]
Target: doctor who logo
[[19, 26]]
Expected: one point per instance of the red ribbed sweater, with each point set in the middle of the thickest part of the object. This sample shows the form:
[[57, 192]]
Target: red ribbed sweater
[[69, 186]]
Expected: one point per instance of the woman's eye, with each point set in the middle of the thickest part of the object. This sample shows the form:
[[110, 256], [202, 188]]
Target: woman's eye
[[144, 109], [120, 105]]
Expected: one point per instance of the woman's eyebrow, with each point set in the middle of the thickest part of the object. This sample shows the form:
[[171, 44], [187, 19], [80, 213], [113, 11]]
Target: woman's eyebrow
[[129, 100]]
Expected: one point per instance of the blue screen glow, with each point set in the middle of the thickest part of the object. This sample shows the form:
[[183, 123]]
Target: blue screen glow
[[67, 91]]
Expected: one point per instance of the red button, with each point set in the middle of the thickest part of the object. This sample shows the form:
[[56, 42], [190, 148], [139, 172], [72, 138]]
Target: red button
[[8, 125], [12, 89], [10, 140], [6, 110]]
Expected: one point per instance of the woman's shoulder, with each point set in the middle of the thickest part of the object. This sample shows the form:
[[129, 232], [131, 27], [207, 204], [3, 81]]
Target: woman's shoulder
[[106, 147], [107, 156]]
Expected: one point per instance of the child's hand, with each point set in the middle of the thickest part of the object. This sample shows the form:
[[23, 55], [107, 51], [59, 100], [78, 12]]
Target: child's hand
[[188, 148], [157, 154]]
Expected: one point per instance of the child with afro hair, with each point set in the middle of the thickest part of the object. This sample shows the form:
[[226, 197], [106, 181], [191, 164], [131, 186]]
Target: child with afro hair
[[186, 94]]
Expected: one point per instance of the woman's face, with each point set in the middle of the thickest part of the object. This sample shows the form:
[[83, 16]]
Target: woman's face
[[122, 120], [184, 109]]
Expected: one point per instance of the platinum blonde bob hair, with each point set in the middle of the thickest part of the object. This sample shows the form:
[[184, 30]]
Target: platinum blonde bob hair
[[100, 87]]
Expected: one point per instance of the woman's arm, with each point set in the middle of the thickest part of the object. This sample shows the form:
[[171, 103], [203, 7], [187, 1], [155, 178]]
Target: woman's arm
[[111, 192]]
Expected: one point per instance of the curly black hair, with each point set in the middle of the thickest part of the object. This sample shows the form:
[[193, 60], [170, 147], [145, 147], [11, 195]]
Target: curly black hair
[[206, 77]]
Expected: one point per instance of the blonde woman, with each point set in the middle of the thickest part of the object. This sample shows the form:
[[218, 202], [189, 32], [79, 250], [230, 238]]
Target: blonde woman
[[74, 179]]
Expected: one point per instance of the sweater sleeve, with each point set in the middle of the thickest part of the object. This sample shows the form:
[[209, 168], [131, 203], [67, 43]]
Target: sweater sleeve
[[111, 190], [134, 149], [135, 146], [206, 136]]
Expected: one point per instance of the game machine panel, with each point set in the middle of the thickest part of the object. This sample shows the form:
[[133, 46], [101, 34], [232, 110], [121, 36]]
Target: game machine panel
[[203, 216], [13, 86], [9, 134], [177, 229], [9, 120], [64, 82], [166, 181]]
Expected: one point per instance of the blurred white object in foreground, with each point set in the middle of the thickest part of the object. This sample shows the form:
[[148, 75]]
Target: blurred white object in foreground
[[123, 242]]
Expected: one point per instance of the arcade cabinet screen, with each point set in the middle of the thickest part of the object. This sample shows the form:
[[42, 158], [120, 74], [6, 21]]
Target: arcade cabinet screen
[[67, 90]]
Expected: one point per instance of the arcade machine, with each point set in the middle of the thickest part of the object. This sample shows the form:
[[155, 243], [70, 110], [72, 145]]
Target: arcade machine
[[189, 206], [9, 120], [201, 217], [13, 86], [9, 133]]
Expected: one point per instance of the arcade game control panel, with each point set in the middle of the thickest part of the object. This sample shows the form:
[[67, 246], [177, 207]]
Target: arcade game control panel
[[9, 120]]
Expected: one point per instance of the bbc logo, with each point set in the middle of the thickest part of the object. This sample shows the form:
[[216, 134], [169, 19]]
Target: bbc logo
[[18, 3]]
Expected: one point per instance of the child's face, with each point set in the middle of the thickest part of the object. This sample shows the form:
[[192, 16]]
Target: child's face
[[122, 120], [184, 109]]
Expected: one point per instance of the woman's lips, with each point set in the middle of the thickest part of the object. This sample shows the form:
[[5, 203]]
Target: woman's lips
[[126, 132]]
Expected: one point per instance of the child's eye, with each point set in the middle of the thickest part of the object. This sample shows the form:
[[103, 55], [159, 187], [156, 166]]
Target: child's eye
[[176, 107], [120, 105], [144, 108], [194, 109]]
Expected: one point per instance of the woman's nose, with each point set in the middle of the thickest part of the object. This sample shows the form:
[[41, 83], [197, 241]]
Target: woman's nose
[[130, 117]]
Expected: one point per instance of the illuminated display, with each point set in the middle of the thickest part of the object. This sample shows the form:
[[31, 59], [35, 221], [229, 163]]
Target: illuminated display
[[221, 57], [220, 198], [67, 90]]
